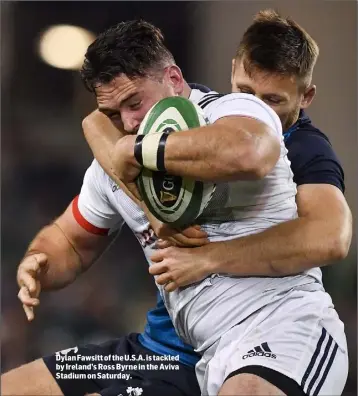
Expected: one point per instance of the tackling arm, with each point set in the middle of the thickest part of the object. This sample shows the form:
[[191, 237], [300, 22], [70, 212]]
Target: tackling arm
[[322, 233]]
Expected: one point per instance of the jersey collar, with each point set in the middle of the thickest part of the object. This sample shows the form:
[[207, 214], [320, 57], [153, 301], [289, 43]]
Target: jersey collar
[[302, 120]]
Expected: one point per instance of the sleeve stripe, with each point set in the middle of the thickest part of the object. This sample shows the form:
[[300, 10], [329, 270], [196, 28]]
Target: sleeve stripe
[[84, 223], [208, 99]]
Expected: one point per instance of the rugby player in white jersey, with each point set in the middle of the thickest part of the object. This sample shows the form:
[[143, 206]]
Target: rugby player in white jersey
[[216, 314], [233, 167]]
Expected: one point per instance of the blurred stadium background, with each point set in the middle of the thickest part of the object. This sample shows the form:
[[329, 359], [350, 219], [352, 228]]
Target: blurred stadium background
[[44, 154]]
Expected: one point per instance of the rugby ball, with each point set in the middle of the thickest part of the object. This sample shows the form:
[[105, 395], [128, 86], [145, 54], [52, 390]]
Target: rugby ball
[[174, 200]]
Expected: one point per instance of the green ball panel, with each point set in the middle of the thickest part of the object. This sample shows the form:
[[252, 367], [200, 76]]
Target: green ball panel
[[167, 205]]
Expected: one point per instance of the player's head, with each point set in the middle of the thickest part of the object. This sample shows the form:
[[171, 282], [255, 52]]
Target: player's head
[[129, 69], [275, 61]]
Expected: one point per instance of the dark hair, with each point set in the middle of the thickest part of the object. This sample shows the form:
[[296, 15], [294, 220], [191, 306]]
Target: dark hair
[[134, 48], [278, 45]]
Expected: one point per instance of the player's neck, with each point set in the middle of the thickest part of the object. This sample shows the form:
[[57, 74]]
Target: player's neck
[[186, 90]]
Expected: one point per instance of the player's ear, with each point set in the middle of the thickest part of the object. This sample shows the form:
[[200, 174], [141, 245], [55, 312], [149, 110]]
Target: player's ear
[[175, 78], [308, 96]]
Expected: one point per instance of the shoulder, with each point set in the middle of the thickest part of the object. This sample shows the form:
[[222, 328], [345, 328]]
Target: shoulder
[[313, 160], [97, 178], [309, 141], [95, 172], [208, 98], [240, 104]]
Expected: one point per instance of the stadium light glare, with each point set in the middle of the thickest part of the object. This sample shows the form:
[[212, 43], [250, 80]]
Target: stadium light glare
[[64, 46]]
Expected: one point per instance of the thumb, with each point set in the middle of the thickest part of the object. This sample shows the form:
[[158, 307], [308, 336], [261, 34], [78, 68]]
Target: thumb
[[194, 232], [41, 260]]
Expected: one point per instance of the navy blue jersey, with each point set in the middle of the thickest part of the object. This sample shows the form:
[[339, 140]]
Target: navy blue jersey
[[311, 154], [312, 161], [160, 336]]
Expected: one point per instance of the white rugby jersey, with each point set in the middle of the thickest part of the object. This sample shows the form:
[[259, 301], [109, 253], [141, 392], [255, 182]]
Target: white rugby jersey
[[202, 312]]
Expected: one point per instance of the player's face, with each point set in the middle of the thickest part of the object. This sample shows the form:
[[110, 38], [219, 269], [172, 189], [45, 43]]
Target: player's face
[[281, 93], [126, 101]]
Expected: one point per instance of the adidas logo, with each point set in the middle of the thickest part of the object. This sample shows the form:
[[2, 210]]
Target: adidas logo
[[262, 350]]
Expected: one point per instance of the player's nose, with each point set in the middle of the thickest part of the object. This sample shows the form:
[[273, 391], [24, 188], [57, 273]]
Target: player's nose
[[131, 125]]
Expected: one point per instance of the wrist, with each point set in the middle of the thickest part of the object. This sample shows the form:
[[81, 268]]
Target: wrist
[[149, 150], [123, 153], [129, 146], [210, 265], [220, 257]]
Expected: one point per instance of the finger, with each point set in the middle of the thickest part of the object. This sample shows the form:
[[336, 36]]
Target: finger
[[193, 232], [25, 298], [183, 241], [176, 241], [171, 286], [157, 269], [166, 232], [157, 256], [34, 262], [162, 244], [25, 279], [41, 260], [163, 278], [29, 312]]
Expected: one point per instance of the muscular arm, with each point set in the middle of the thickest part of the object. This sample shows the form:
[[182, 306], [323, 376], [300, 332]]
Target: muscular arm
[[241, 142], [233, 148], [322, 233], [70, 249]]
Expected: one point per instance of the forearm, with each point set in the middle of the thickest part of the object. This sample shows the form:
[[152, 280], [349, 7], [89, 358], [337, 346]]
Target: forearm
[[64, 263], [101, 136], [222, 152], [288, 248]]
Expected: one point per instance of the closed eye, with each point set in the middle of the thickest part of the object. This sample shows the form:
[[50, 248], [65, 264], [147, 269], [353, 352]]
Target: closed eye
[[272, 100], [109, 112], [135, 105], [113, 116], [245, 91]]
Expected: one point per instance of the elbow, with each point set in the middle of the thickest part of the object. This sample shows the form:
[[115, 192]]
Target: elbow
[[86, 125], [340, 246], [260, 170], [338, 251], [261, 159], [335, 243], [342, 237], [86, 121]]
